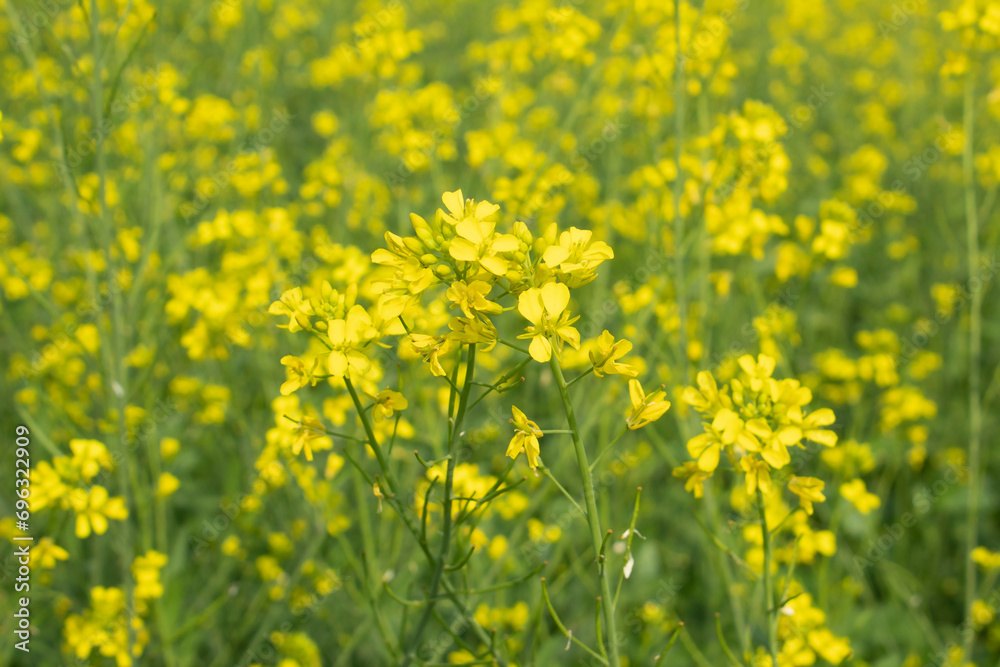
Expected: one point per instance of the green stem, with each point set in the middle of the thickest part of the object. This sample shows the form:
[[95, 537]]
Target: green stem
[[412, 528], [370, 432], [562, 627], [442, 559], [769, 607], [592, 517], [681, 294], [975, 360]]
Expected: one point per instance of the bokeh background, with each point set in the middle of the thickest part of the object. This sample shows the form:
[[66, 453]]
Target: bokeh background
[[815, 181]]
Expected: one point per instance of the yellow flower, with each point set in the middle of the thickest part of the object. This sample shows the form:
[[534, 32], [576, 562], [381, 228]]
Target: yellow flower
[[808, 489], [310, 429], [758, 372], [89, 456], [471, 298], [694, 477], [757, 474], [646, 408], [982, 614], [47, 552], [295, 307], [166, 485], [857, 494], [706, 398], [575, 258], [544, 308], [348, 337], [477, 242], [412, 276], [146, 570], [472, 331], [605, 357], [297, 374], [386, 401], [809, 425], [460, 209], [831, 648], [169, 448], [775, 443], [986, 559], [725, 429], [94, 509], [526, 434], [431, 348]]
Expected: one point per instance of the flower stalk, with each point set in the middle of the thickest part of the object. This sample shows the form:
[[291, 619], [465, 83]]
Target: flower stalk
[[770, 608], [975, 362], [593, 520]]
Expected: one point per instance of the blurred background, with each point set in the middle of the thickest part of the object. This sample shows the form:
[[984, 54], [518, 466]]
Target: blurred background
[[812, 181]]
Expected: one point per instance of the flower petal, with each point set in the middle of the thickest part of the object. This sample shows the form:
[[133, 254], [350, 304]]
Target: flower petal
[[530, 306], [555, 296], [540, 349]]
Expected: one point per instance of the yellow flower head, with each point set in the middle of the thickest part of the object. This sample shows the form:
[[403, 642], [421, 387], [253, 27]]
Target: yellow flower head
[[706, 398], [432, 348], [477, 242], [694, 477], [725, 429], [810, 424], [858, 495], [757, 474], [146, 570], [605, 357], [646, 408], [348, 337], [94, 508], [526, 435], [473, 331], [575, 258], [545, 308], [758, 372], [295, 307], [471, 298], [386, 402], [808, 489], [988, 560], [297, 374], [89, 456], [47, 552]]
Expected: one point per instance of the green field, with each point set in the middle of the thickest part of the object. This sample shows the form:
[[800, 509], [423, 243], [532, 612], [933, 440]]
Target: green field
[[546, 332]]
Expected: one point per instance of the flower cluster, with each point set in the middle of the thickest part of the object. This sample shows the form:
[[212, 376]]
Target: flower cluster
[[65, 483], [753, 421]]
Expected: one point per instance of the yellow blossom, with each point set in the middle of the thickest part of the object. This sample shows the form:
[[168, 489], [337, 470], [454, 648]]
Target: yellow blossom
[[857, 494], [348, 337], [808, 489], [646, 408], [94, 508], [605, 357], [526, 435], [298, 375], [544, 307], [386, 402]]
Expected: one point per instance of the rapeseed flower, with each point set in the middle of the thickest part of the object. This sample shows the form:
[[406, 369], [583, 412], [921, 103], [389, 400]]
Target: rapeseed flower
[[646, 408], [526, 435], [545, 308]]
